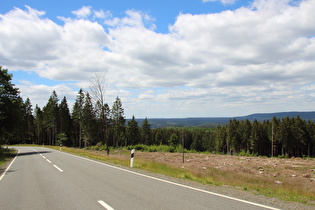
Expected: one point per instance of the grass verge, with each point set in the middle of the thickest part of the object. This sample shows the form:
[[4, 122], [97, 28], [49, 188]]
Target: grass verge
[[6, 155]]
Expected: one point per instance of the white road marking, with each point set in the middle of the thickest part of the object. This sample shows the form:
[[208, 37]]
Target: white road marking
[[174, 183], [48, 161], [58, 168], [105, 205], [1, 177]]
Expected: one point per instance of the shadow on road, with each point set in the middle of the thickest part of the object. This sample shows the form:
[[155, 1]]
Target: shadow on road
[[33, 153], [3, 168]]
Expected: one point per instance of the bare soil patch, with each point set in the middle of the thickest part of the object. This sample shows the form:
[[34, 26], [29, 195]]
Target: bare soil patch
[[277, 169]]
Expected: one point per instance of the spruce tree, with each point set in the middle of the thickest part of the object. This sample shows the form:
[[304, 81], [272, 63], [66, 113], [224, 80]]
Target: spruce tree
[[65, 119], [146, 132], [118, 122], [133, 133], [77, 116], [89, 122], [51, 115]]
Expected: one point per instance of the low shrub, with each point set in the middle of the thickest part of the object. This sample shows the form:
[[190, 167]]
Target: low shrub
[[247, 153]]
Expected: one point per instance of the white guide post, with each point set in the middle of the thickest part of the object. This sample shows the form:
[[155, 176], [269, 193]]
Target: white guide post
[[132, 157]]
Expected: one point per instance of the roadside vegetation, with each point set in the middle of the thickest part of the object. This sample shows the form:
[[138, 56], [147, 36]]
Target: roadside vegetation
[[5, 155]]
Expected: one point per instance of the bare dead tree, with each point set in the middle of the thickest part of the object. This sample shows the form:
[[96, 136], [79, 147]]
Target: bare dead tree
[[98, 89]]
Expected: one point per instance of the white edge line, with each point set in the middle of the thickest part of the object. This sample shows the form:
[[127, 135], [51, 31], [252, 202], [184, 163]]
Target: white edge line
[[9, 166], [58, 168], [105, 205], [174, 183]]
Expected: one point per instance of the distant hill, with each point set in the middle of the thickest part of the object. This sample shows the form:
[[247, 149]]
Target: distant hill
[[214, 121], [280, 115]]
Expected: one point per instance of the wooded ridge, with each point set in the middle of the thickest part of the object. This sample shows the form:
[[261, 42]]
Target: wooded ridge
[[215, 121]]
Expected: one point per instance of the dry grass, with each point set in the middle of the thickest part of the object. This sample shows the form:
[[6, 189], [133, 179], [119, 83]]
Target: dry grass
[[288, 179]]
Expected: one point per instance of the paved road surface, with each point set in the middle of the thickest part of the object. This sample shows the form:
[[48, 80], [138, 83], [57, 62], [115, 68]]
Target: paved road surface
[[41, 178]]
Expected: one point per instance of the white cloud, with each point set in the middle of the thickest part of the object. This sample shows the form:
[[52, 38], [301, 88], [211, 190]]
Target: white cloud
[[39, 94], [251, 58], [84, 12], [133, 18], [27, 38], [102, 15]]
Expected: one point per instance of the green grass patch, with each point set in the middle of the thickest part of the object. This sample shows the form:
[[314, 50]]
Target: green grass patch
[[6, 155], [96, 155]]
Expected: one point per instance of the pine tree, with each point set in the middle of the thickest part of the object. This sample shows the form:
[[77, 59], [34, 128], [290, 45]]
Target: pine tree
[[77, 116], [245, 133], [196, 142], [10, 102], [64, 120], [118, 122], [255, 137], [29, 122], [311, 138], [89, 122], [39, 125], [133, 133], [300, 136], [233, 136], [220, 139], [146, 132], [50, 113]]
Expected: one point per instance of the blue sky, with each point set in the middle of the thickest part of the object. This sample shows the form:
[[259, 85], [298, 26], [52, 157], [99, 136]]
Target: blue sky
[[164, 12], [188, 58]]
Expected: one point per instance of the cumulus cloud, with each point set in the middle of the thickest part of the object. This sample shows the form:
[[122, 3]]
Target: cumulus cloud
[[133, 18], [26, 37], [39, 94], [84, 12], [248, 57]]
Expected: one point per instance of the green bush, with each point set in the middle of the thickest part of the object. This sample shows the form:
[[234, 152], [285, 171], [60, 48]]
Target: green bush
[[141, 147], [1, 154], [283, 156], [247, 153]]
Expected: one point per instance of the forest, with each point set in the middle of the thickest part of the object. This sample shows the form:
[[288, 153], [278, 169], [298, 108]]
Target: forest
[[92, 123]]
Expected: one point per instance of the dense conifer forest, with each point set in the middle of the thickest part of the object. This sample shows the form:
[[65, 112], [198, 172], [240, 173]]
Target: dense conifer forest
[[93, 122]]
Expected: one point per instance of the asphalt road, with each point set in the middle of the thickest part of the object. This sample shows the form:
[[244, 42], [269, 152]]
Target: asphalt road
[[41, 178]]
